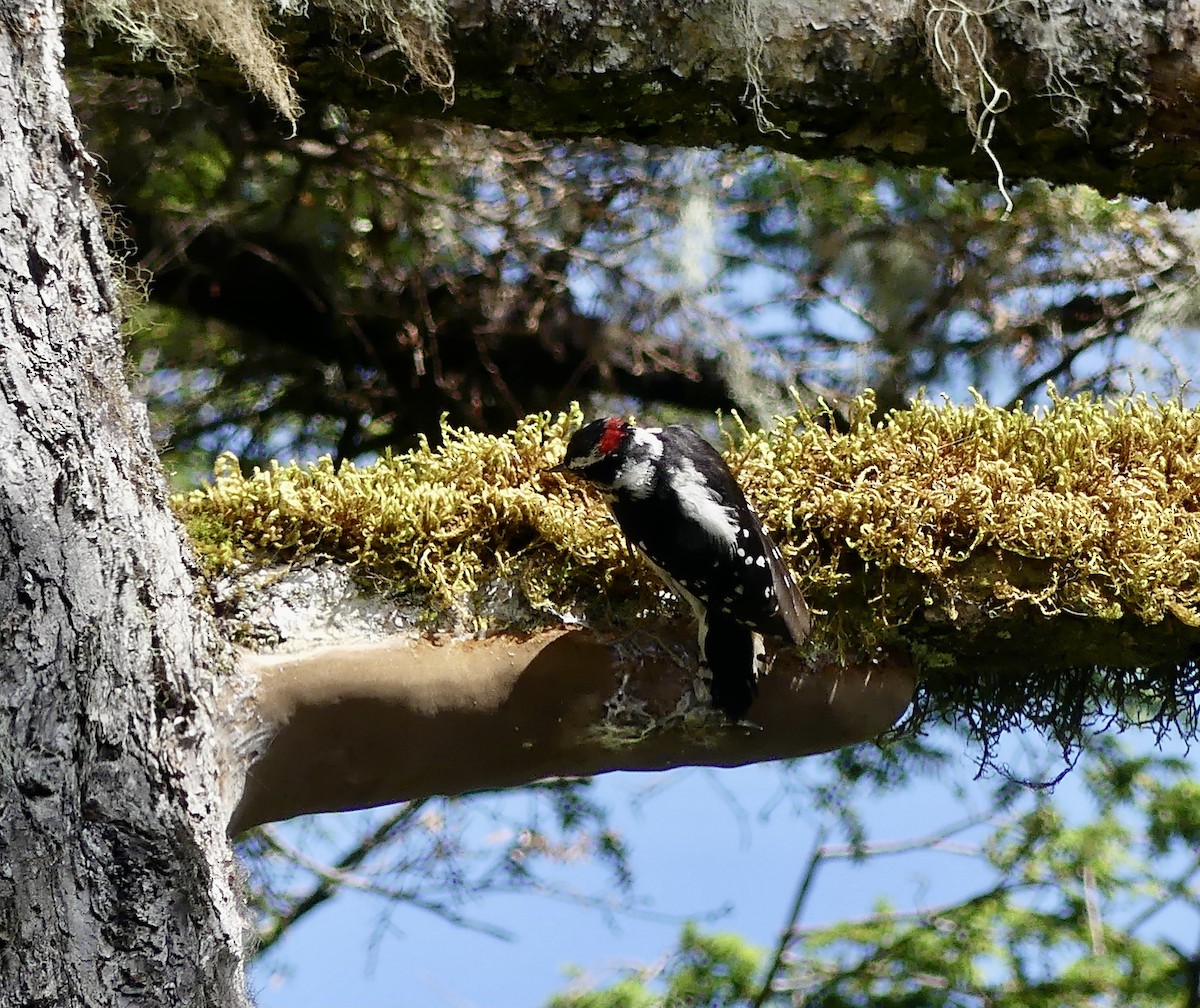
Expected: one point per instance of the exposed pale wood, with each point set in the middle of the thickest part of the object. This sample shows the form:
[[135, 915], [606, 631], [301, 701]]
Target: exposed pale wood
[[363, 724]]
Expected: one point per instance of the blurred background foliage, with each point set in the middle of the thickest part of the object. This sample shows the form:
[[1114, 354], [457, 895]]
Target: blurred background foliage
[[341, 289], [1070, 910]]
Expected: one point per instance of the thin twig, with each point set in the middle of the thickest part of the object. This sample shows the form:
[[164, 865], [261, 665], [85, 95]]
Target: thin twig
[[1091, 904], [328, 881], [785, 935]]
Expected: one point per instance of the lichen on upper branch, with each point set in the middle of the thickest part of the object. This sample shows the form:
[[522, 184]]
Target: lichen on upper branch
[[179, 32]]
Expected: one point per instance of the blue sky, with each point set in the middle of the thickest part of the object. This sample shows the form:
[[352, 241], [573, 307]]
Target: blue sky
[[726, 846]]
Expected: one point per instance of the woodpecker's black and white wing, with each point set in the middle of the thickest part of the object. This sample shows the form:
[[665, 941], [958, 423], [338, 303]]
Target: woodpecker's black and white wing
[[793, 610], [694, 523]]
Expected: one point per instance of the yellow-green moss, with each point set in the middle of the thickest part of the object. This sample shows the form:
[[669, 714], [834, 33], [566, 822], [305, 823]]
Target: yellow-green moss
[[442, 522], [1086, 509], [1011, 553]]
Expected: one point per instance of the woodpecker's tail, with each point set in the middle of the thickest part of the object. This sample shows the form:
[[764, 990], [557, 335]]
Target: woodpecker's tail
[[734, 654]]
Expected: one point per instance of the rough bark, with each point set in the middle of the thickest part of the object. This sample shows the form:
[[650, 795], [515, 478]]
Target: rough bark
[[115, 886], [1100, 93]]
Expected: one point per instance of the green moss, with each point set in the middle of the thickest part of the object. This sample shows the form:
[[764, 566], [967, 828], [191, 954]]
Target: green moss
[[1086, 510], [442, 523], [1039, 567]]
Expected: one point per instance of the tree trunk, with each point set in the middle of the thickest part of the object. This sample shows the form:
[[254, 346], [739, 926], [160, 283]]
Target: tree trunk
[[115, 884]]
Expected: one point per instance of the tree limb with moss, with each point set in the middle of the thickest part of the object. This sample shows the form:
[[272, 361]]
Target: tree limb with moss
[[1033, 569], [986, 90]]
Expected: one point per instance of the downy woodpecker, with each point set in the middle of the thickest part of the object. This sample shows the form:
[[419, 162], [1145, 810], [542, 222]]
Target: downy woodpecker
[[674, 497]]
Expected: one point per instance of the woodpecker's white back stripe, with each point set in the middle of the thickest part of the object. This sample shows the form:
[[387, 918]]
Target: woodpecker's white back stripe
[[702, 505], [637, 474]]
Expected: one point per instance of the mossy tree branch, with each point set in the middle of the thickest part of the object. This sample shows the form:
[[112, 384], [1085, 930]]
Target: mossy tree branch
[[1039, 570], [1099, 94]]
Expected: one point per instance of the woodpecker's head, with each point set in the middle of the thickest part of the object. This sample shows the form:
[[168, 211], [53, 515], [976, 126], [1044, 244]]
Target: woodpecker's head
[[596, 451], [624, 461]]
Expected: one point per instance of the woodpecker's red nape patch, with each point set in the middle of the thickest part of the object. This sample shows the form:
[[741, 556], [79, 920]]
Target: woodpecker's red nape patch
[[614, 434]]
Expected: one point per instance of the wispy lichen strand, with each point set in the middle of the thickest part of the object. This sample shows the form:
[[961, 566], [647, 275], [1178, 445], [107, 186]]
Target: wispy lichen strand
[[177, 32]]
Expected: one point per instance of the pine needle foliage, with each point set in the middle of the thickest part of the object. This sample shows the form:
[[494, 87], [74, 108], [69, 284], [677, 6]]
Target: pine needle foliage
[[1043, 569]]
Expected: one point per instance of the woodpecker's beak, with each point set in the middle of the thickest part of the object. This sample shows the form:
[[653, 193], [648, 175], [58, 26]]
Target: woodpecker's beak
[[562, 467]]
